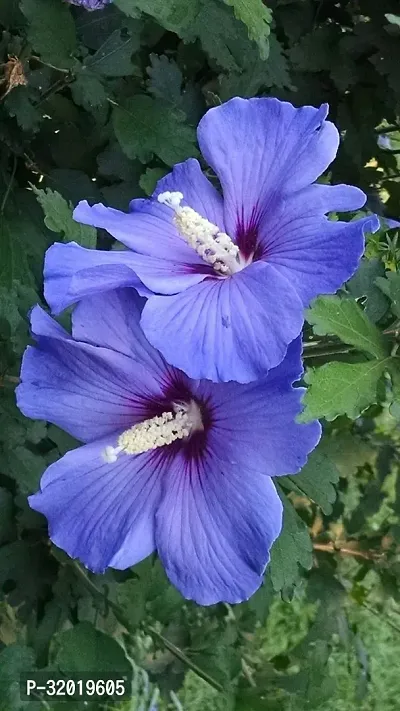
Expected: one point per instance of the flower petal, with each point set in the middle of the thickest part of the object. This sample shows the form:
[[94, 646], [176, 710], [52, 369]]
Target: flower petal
[[188, 179], [215, 527], [72, 272], [112, 320], [254, 425], [88, 391], [261, 150], [226, 329], [101, 513], [315, 254]]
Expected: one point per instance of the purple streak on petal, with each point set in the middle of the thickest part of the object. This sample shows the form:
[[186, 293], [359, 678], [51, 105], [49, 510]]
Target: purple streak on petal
[[102, 514], [215, 527], [89, 391], [315, 254], [198, 192], [163, 260], [263, 150], [262, 434], [72, 272], [227, 329], [148, 229]]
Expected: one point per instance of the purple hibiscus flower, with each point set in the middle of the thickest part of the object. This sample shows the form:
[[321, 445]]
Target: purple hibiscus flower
[[228, 277], [170, 464], [91, 4]]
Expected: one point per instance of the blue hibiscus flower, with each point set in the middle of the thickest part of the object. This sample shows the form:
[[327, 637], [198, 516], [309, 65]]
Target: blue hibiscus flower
[[170, 464], [227, 276]]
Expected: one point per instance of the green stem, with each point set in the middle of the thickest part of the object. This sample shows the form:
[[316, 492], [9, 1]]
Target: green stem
[[9, 186], [380, 616], [311, 350]]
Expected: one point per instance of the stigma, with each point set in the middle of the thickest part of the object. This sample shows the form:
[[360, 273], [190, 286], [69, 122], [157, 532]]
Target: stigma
[[214, 247], [157, 431]]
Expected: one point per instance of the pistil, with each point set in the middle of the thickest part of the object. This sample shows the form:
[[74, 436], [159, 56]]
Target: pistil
[[215, 247], [157, 431]]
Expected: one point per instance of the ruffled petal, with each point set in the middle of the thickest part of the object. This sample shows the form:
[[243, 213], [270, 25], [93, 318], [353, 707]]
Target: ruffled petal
[[72, 272], [254, 425], [263, 150], [226, 329], [215, 527], [101, 513], [112, 320], [88, 391], [198, 193]]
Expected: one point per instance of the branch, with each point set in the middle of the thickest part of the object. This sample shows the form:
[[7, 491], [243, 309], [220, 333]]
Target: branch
[[344, 550]]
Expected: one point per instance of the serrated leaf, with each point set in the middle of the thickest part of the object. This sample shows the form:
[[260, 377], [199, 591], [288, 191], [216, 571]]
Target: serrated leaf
[[363, 284], [88, 91], [292, 550], [165, 79], [145, 126], [58, 218], [256, 73], [391, 287], [341, 389], [317, 479], [257, 18], [18, 104], [343, 317], [207, 20], [51, 31]]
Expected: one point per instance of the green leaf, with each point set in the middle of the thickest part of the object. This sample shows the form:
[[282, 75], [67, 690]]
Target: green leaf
[[6, 516], [391, 287], [13, 262], [88, 90], [85, 649], [317, 479], [165, 79], [114, 58], [207, 20], [291, 550], [19, 104], [341, 389], [257, 19], [363, 284], [58, 218], [256, 73], [146, 126], [14, 661], [150, 178], [343, 317], [51, 31]]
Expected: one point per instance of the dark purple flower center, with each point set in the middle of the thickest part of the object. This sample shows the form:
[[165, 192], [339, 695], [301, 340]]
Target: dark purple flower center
[[247, 235], [177, 391]]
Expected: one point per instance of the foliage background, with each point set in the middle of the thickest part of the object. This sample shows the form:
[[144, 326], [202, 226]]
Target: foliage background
[[99, 106]]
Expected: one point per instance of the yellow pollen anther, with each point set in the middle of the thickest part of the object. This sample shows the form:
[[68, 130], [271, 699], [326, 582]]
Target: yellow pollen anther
[[215, 247], [156, 432]]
